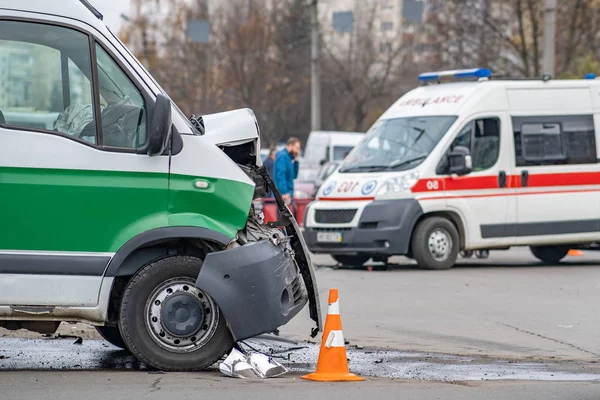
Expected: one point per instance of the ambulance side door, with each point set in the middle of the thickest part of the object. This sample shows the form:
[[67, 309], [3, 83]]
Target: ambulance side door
[[484, 198]]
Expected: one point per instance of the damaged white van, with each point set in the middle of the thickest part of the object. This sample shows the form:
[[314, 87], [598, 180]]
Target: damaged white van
[[468, 165], [119, 211]]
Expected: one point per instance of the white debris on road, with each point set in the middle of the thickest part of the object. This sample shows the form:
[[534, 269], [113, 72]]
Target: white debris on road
[[252, 366]]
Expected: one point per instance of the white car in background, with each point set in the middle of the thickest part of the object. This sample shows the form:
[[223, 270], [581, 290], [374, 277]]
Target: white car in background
[[323, 147]]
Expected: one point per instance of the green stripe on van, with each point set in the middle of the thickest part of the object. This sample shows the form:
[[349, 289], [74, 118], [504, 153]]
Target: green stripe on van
[[98, 211]]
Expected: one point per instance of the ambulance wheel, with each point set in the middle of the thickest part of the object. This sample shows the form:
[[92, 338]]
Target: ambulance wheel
[[112, 335], [435, 243], [352, 261], [168, 323], [549, 254]]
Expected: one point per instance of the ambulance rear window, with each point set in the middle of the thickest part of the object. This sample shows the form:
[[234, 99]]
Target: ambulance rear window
[[542, 142], [551, 140]]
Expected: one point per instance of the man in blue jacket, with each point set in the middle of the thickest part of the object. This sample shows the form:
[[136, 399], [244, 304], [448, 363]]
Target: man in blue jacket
[[286, 169]]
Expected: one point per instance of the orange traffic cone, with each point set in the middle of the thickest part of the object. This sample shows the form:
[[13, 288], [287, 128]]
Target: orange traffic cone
[[333, 364], [575, 252]]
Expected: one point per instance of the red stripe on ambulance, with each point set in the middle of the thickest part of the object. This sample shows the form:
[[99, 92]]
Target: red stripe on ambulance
[[461, 183]]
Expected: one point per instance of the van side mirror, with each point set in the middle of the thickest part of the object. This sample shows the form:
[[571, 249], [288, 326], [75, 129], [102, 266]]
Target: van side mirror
[[159, 131], [459, 160], [322, 162]]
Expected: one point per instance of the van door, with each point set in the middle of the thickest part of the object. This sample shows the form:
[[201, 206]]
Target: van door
[[73, 193], [484, 198], [558, 179]]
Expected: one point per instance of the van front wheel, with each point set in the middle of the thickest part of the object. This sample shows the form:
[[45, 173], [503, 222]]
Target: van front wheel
[[435, 243], [549, 254], [168, 323]]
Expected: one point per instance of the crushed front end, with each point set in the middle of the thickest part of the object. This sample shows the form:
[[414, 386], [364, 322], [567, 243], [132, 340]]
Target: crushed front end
[[265, 276]]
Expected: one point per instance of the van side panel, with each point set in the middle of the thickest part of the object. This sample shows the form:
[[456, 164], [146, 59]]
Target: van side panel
[[49, 290], [61, 195]]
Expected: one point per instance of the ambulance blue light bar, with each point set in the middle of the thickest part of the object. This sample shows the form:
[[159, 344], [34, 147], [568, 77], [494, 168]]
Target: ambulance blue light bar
[[456, 74]]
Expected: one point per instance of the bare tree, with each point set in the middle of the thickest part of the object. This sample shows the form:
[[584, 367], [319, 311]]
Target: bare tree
[[359, 70], [507, 35], [261, 62]]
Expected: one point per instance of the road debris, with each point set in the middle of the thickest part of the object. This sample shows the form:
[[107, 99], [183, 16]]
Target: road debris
[[250, 366]]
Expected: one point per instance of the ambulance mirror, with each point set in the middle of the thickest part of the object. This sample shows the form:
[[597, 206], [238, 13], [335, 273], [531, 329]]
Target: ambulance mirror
[[460, 161]]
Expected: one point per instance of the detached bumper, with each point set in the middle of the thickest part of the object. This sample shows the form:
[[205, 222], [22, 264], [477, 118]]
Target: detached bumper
[[385, 228], [257, 286]]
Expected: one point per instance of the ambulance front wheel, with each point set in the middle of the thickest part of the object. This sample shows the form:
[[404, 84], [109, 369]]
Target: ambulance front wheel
[[549, 254], [435, 243]]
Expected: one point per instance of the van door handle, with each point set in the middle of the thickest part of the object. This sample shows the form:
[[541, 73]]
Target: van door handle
[[524, 178], [502, 179]]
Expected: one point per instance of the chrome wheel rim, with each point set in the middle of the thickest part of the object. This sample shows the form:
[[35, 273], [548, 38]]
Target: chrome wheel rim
[[440, 244]]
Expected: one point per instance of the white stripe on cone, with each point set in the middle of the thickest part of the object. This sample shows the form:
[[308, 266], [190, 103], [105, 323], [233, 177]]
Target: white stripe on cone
[[334, 308], [335, 339]]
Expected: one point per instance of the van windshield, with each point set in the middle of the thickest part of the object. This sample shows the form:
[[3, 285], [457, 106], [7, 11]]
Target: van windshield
[[396, 144]]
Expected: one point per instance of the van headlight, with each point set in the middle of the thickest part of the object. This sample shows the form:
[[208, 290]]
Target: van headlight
[[399, 184]]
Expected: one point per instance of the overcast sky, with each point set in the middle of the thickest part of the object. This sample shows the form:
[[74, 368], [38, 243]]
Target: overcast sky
[[112, 9]]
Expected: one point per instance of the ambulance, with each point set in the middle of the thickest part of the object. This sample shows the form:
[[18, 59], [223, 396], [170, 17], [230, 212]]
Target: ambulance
[[468, 162], [121, 212]]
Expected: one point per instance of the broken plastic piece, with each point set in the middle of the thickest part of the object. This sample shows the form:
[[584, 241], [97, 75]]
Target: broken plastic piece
[[266, 366], [256, 365], [236, 366]]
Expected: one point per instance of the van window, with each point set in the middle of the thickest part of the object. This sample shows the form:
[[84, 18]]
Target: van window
[[552, 140], [340, 152], [45, 79], [482, 138], [123, 109]]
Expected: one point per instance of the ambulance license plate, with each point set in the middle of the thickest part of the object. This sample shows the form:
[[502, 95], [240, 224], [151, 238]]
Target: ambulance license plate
[[329, 237]]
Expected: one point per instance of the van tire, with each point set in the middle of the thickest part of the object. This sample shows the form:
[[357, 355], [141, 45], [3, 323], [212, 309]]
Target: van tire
[[440, 233], [352, 261], [137, 329], [112, 335], [549, 254]]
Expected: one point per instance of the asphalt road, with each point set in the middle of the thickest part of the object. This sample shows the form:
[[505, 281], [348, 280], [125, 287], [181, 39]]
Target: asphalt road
[[501, 328], [128, 385], [506, 306]]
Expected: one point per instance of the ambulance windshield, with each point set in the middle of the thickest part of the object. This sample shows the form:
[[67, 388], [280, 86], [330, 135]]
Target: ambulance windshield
[[396, 144]]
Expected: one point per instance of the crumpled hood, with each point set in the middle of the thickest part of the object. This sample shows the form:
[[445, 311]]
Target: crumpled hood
[[233, 128]]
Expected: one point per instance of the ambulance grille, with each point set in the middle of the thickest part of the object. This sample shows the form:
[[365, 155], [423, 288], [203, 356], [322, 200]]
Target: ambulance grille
[[334, 216]]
